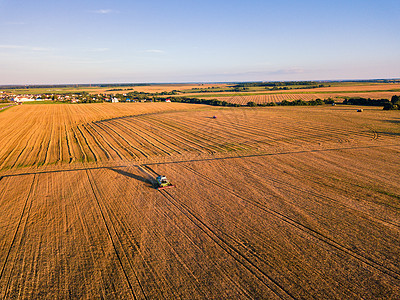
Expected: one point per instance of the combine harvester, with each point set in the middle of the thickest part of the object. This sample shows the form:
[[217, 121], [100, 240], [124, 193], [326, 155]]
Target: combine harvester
[[163, 183]]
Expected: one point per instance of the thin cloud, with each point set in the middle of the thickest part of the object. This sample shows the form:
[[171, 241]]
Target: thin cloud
[[287, 71], [41, 49], [104, 11], [154, 51], [11, 47], [24, 47], [99, 49]]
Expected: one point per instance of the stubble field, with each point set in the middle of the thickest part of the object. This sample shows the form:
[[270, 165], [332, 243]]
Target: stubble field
[[280, 202]]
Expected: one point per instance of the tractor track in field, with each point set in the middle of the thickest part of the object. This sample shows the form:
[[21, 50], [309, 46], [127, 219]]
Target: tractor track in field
[[231, 250], [114, 123], [145, 136], [106, 153], [319, 195], [84, 155], [105, 139], [317, 235], [92, 186], [69, 146], [177, 138], [184, 233], [127, 149], [25, 212], [190, 136], [87, 143], [117, 139]]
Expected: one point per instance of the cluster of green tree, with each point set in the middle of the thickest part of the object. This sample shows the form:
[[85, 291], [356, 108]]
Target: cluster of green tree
[[173, 92], [115, 90], [394, 103], [365, 101], [277, 84], [91, 100], [293, 103], [119, 84], [302, 102], [217, 90], [374, 81], [213, 102]]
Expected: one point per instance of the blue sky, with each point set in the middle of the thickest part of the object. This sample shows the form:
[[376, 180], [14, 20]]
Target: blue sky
[[51, 42]]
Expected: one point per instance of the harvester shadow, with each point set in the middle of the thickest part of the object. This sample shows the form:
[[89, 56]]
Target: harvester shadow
[[134, 176]]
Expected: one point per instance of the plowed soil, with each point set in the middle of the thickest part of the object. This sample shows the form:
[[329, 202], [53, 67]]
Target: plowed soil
[[267, 203]]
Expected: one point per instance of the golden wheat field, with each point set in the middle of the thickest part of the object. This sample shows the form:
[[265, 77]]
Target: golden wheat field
[[268, 203]]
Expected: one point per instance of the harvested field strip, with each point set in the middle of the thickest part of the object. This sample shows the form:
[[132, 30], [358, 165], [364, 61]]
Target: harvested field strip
[[180, 141], [156, 144], [224, 137], [62, 245], [102, 137], [194, 136], [111, 232], [25, 154], [82, 156], [122, 143], [377, 227], [354, 174], [245, 129], [352, 257], [287, 124], [316, 234], [120, 132], [181, 134], [167, 216], [147, 136], [10, 260], [152, 276], [263, 134], [255, 256], [231, 250], [298, 192], [304, 127], [173, 145], [228, 250], [15, 143], [322, 184], [88, 149], [113, 141], [101, 153], [11, 219]]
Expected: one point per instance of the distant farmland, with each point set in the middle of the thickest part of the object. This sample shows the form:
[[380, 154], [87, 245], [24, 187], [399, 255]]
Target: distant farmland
[[277, 98], [272, 203]]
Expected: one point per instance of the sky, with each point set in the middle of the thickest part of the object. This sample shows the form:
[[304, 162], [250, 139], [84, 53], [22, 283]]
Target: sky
[[129, 41]]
